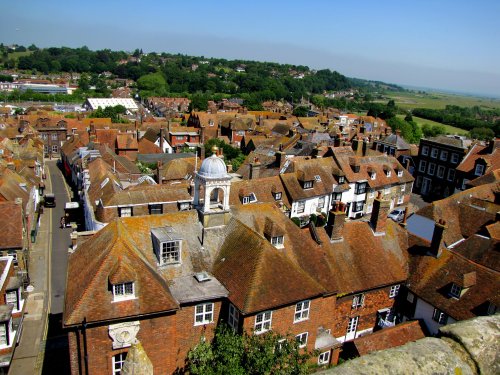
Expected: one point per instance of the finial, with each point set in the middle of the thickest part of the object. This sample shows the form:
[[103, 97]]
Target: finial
[[215, 149]]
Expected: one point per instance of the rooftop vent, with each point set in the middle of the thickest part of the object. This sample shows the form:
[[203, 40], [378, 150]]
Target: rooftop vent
[[202, 276]]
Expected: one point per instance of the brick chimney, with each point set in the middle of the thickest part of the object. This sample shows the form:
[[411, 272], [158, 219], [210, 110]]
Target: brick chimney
[[254, 169], [336, 220], [437, 238], [380, 211]]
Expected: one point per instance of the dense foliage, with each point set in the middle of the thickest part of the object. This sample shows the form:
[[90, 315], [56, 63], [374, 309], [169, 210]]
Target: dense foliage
[[231, 353], [466, 118], [232, 155], [110, 112]]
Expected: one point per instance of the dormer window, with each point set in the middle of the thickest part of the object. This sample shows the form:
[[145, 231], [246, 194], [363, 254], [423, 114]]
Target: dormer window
[[278, 241], [455, 290], [388, 173], [277, 196], [123, 291], [167, 245], [400, 173], [479, 171], [373, 175], [308, 184], [341, 179], [492, 309], [249, 198], [358, 301]]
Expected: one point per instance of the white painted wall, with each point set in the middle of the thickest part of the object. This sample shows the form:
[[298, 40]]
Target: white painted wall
[[424, 310]]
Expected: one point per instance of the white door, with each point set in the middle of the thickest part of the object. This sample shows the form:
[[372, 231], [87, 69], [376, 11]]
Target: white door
[[351, 328]]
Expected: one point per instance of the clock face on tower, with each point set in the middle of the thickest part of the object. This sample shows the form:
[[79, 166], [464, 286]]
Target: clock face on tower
[[123, 334]]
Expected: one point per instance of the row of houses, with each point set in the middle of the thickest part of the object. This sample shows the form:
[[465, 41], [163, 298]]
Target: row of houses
[[167, 280]]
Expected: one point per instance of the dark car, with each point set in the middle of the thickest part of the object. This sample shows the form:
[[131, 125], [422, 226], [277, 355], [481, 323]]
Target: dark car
[[49, 200]]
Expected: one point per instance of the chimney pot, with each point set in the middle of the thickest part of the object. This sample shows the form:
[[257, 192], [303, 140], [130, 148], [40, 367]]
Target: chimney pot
[[380, 211]]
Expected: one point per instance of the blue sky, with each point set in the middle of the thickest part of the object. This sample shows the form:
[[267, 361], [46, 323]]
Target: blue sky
[[444, 44]]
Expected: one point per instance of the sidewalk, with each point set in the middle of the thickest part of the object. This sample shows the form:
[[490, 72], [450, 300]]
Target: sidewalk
[[29, 354]]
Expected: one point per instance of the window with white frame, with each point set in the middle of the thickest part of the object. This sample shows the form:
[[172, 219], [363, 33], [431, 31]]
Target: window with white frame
[[341, 179], [324, 358], [394, 291], [388, 173], [440, 171], [308, 184], [425, 150], [55, 148], [353, 324], [451, 174], [277, 241], [44, 136], [123, 291], [203, 313], [321, 202], [439, 316], [337, 196], [371, 193], [12, 298], [479, 171], [432, 169], [277, 196], [358, 206], [301, 207], [403, 188], [263, 322], [369, 208], [434, 153], [400, 173], [302, 339], [360, 188], [53, 136], [373, 175], [3, 334], [125, 211], [170, 252], [455, 290], [387, 190], [118, 361], [302, 311], [401, 199], [444, 155], [454, 158], [422, 166], [358, 300], [246, 200], [233, 318]]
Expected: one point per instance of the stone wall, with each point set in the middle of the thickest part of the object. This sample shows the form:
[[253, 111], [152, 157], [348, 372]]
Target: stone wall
[[467, 347]]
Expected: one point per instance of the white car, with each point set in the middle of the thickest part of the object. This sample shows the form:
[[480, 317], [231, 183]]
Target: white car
[[397, 214]]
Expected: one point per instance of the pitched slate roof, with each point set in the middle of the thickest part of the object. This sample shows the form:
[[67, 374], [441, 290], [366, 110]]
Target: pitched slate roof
[[178, 169], [126, 141], [490, 154], [144, 194], [11, 229], [263, 188]]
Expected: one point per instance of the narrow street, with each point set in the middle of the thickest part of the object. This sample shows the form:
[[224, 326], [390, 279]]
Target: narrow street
[[43, 346]]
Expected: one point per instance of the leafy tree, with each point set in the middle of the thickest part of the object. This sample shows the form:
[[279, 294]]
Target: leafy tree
[[231, 353], [483, 134], [301, 111], [409, 117], [152, 84], [84, 82], [433, 130]]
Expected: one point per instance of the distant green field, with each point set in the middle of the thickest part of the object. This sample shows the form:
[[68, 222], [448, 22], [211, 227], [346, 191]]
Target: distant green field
[[410, 100], [449, 129], [17, 55]]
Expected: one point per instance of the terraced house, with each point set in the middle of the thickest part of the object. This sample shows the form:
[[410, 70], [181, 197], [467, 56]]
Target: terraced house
[[168, 280]]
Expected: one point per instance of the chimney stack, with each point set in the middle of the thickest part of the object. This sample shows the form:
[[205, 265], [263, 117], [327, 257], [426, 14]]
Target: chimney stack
[[279, 157], [335, 225], [254, 169], [380, 211], [437, 238]]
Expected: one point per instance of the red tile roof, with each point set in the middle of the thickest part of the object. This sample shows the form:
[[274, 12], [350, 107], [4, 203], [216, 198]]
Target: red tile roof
[[11, 229]]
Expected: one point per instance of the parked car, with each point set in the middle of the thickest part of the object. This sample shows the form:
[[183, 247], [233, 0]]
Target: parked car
[[49, 200], [397, 214]]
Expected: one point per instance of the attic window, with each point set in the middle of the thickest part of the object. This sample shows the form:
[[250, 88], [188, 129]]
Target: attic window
[[455, 290], [249, 198], [388, 173], [317, 178], [341, 179], [400, 173], [277, 196], [479, 171], [373, 175], [439, 316], [167, 245], [123, 291], [278, 241], [308, 184]]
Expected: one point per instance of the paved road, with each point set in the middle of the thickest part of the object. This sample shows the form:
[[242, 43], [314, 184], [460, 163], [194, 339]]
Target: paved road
[[61, 239]]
